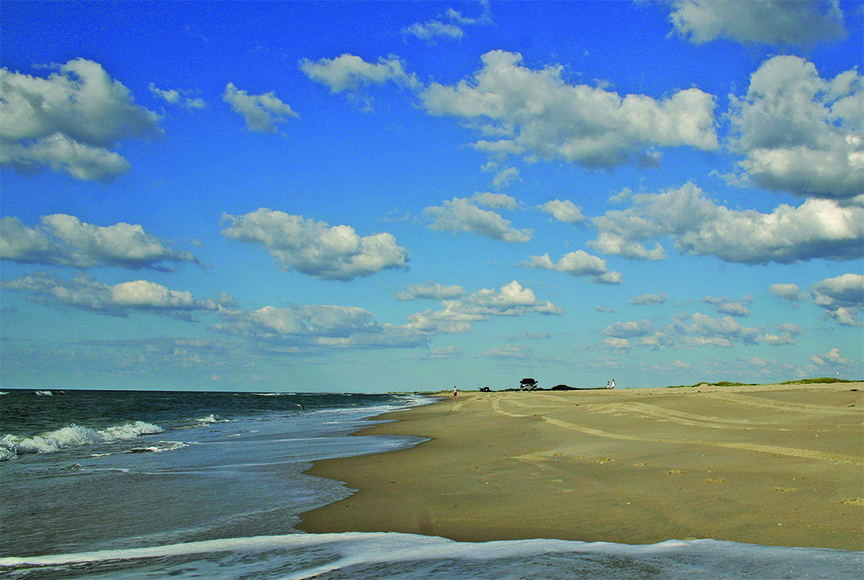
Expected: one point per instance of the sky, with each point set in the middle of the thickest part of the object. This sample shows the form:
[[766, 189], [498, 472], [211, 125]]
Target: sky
[[411, 196]]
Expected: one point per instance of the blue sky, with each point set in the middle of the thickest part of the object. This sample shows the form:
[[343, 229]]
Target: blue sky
[[380, 196]]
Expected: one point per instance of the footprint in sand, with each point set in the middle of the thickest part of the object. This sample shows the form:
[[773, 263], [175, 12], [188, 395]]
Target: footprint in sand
[[604, 460], [674, 472], [853, 501], [785, 489], [715, 480], [640, 464]]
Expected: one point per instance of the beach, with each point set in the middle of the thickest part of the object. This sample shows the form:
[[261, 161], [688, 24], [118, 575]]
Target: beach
[[775, 465]]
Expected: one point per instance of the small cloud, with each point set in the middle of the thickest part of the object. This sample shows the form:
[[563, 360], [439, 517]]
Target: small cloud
[[510, 351], [261, 112], [564, 211], [440, 353], [529, 336], [785, 291], [648, 299], [430, 290], [464, 215], [505, 177], [350, 73], [448, 26], [830, 358], [178, 97], [578, 263], [725, 305], [617, 343]]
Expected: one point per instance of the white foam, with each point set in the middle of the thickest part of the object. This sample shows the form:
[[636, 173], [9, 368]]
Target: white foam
[[71, 436], [43, 393], [159, 447], [393, 555]]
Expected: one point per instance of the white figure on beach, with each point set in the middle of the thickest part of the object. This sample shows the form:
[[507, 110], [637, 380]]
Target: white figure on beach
[[613, 384], [454, 392]]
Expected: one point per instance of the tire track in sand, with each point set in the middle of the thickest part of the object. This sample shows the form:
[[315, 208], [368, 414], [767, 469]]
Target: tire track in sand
[[740, 399], [772, 449]]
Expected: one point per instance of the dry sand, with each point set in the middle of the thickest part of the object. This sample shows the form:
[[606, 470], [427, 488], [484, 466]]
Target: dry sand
[[772, 465]]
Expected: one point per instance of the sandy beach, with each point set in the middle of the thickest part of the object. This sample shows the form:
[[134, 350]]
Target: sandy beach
[[775, 465]]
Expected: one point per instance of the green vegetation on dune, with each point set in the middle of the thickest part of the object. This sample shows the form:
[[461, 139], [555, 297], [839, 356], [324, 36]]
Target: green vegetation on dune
[[819, 380], [812, 381]]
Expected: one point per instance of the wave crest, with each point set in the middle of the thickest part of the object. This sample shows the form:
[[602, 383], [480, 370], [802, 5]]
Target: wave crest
[[72, 435]]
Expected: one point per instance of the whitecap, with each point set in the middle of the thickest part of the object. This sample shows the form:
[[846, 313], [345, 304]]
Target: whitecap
[[71, 436]]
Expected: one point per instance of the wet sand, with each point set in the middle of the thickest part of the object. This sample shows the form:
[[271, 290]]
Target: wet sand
[[774, 465]]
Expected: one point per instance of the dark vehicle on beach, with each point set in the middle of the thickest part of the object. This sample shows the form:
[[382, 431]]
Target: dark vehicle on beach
[[528, 384]]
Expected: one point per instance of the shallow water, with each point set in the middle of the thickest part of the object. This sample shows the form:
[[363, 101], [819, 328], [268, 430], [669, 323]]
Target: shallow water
[[404, 556]]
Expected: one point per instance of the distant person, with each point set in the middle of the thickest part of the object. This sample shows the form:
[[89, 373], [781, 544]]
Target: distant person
[[454, 392], [608, 385], [613, 383]]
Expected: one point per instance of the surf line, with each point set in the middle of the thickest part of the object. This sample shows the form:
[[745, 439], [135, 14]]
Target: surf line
[[773, 449]]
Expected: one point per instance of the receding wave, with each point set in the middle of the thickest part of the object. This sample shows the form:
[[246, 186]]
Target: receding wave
[[159, 447], [201, 422], [11, 446], [405, 556]]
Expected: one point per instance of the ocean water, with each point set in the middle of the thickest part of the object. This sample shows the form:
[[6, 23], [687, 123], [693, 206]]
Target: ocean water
[[123, 485]]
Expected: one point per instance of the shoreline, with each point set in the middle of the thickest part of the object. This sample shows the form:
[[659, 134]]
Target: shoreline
[[776, 465]]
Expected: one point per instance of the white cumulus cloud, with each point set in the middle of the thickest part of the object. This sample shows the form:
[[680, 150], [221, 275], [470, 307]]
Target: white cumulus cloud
[[725, 305], [649, 299], [84, 292], [801, 133], [778, 22], [842, 298], [542, 115], [315, 248], [564, 210], [578, 263], [316, 327], [456, 316], [64, 240], [462, 214], [348, 72], [786, 291], [818, 228], [70, 121]]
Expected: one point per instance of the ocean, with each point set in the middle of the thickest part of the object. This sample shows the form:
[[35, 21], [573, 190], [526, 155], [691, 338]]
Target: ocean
[[129, 485]]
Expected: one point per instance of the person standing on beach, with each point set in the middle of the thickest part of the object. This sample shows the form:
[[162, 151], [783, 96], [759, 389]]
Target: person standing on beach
[[607, 385], [613, 384], [454, 392]]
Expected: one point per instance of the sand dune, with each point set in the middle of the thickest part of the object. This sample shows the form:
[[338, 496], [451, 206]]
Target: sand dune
[[776, 465]]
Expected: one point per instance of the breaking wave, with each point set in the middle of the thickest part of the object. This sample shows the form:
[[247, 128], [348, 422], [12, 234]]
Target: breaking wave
[[11, 446]]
